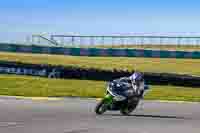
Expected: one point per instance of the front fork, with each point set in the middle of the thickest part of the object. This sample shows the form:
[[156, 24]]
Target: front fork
[[108, 99]]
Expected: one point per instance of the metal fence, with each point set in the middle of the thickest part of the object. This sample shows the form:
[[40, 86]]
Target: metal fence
[[94, 41]]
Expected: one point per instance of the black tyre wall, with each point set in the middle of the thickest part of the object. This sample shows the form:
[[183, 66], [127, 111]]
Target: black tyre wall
[[69, 72]]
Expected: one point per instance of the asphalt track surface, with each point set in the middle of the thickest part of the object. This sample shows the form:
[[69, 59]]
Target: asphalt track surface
[[77, 116]]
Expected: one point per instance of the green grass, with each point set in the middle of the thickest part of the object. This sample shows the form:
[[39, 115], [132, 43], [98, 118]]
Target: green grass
[[41, 87], [181, 66]]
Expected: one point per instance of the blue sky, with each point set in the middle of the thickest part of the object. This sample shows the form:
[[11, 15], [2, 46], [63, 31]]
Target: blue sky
[[20, 17]]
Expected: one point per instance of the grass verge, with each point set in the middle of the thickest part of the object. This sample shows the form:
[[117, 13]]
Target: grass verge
[[180, 66], [41, 87]]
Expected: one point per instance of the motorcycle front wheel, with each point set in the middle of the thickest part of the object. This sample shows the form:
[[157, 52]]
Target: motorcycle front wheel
[[101, 107]]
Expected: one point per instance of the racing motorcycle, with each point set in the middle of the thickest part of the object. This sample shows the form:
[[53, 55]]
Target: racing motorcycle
[[119, 97]]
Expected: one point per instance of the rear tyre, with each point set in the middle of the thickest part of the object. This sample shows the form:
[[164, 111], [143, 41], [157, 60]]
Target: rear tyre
[[101, 107], [128, 110]]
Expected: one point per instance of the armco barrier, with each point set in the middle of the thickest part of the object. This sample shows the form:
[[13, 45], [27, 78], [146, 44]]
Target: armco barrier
[[99, 51], [94, 74]]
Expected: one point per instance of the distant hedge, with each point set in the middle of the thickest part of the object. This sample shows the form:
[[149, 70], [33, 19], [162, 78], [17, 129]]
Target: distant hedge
[[69, 72]]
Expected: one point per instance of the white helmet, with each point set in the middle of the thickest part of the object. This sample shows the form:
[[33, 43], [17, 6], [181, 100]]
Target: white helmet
[[136, 77]]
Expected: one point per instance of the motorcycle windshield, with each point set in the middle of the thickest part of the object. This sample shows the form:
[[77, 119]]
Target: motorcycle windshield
[[119, 89]]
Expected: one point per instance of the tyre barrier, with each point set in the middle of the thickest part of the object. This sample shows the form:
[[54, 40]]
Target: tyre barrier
[[69, 72], [98, 52]]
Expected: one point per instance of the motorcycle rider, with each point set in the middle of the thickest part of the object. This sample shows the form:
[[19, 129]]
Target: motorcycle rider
[[135, 83]]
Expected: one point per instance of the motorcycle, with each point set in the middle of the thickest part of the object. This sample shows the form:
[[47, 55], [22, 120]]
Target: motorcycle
[[119, 98]]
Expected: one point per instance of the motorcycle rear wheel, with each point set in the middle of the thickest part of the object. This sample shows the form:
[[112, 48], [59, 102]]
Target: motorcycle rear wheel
[[128, 110]]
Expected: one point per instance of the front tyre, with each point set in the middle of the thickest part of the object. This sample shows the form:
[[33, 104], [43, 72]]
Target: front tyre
[[101, 107]]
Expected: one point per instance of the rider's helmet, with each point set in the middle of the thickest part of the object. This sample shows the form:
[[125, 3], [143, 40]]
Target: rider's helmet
[[136, 78]]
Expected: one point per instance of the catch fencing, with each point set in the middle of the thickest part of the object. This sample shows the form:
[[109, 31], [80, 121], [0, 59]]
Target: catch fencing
[[117, 40]]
